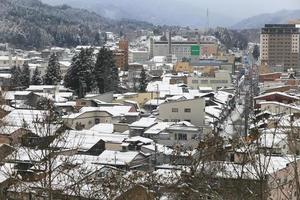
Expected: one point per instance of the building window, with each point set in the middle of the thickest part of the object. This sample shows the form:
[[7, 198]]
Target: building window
[[97, 121], [187, 110], [174, 109], [180, 136]]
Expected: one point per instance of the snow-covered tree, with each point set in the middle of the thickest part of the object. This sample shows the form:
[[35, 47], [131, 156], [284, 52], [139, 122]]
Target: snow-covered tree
[[143, 81], [106, 72], [53, 73], [25, 75], [80, 75], [256, 52], [16, 76], [36, 77]]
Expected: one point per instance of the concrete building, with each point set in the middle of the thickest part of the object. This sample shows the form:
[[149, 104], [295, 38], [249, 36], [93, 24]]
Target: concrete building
[[280, 46], [183, 67], [10, 61], [138, 56], [183, 49], [190, 110], [221, 78]]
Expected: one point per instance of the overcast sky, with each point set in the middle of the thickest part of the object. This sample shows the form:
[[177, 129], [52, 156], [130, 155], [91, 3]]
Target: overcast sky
[[182, 12], [240, 9]]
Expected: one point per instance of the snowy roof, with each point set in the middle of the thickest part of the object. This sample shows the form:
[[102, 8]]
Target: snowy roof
[[159, 127], [27, 155], [117, 157], [22, 93], [115, 111], [206, 89], [159, 148], [183, 125], [9, 95], [6, 171], [139, 139], [17, 117], [86, 139], [7, 108], [144, 122], [42, 87], [68, 103], [270, 140], [51, 97], [277, 93], [164, 88], [103, 128], [65, 63], [223, 96], [154, 102], [214, 111], [280, 104], [5, 75]]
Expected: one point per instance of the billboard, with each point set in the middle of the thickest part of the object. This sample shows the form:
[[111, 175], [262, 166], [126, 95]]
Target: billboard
[[195, 50]]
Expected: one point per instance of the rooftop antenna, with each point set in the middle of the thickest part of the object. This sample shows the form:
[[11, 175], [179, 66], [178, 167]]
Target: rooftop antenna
[[207, 21]]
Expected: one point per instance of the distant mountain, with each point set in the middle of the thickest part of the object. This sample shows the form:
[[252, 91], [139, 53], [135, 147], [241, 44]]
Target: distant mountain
[[259, 21], [159, 12], [31, 23]]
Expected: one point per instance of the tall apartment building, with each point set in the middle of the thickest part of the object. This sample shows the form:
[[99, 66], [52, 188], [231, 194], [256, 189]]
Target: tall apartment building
[[280, 46], [121, 55]]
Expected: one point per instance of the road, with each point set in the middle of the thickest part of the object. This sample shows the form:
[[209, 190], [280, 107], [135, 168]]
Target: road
[[235, 122]]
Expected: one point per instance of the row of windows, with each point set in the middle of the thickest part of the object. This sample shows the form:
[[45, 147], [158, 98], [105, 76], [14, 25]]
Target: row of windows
[[187, 110], [211, 81]]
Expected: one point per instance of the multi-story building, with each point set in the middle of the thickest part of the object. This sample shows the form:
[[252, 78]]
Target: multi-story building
[[219, 79], [280, 46], [183, 49], [190, 110], [138, 56], [121, 54]]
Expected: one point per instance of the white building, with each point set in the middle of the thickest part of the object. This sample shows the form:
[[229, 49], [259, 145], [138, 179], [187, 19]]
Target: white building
[[137, 56], [190, 110], [222, 78]]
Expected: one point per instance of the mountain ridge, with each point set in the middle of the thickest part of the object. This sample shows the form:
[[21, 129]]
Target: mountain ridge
[[33, 24], [258, 21]]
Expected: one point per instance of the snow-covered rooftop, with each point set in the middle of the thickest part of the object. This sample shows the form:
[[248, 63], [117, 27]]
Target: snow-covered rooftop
[[144, 122]]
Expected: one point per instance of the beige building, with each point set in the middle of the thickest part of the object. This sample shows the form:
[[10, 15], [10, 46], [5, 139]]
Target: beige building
[[191, 110], [280, 45], [140, 98], [90, 116], [183, 67], [221, 78], [9, 61], [282, 183]]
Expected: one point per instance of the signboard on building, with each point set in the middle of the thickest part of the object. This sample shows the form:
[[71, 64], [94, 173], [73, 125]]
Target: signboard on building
[[195, 50]]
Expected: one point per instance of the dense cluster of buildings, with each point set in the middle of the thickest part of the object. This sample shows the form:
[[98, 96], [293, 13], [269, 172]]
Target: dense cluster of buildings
[[200, 104]]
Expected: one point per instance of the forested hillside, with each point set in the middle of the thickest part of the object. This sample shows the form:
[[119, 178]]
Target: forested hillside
[[30, 23]]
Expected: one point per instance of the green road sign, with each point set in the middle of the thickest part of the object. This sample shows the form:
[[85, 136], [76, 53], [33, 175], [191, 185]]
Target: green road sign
[[195, 50]]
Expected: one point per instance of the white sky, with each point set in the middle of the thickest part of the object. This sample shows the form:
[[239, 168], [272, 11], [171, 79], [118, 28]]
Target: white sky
[[240, 9]]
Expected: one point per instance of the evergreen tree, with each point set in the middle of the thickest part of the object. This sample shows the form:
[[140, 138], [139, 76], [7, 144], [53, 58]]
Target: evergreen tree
[[36, 77], [256, 52], [80, 75], [143, 81], [25, 75], [16, 76], [106, 72], [53, 73]]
